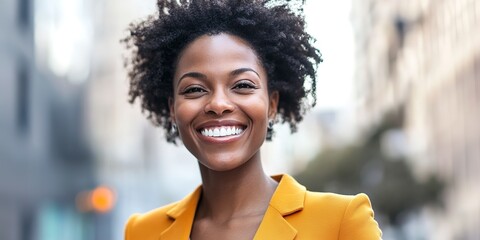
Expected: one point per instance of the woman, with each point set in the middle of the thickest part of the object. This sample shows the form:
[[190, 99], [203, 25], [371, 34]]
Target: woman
[[217, 74]]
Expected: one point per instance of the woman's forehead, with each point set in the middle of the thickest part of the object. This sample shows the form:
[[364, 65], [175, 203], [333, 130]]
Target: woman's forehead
[[218, 52]]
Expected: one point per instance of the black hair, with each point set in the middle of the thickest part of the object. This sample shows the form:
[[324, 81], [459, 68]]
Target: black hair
[[276, 33]]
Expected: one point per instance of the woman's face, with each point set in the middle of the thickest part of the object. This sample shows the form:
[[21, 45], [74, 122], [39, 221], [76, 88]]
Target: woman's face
[[221, 102]]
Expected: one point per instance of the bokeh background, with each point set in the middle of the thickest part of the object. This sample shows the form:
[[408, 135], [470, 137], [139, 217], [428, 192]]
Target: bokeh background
[[398, 117]]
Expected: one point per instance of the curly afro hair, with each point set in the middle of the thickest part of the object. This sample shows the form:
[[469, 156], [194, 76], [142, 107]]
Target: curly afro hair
[[275, 32]]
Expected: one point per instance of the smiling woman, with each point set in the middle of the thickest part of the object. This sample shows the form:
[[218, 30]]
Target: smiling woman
[[221, 85], [218, 74]]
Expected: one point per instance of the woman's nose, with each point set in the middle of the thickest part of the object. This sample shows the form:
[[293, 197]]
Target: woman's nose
[[219, 103]]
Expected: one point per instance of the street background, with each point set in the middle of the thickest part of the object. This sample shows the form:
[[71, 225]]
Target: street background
[[397, 118]]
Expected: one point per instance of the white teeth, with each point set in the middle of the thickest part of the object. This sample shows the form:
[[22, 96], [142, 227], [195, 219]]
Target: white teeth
[[221, 131]]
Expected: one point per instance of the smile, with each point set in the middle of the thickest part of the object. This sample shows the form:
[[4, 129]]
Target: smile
[[223, 131]]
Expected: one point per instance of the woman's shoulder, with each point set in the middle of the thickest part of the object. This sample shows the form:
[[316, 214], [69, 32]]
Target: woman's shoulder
[[155, 215], [335, 199], [334, 204], [152, 224], [352, 213], [142, 225]]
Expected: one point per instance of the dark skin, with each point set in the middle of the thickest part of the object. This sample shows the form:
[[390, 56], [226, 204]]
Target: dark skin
[[220, 83], [234, 208]]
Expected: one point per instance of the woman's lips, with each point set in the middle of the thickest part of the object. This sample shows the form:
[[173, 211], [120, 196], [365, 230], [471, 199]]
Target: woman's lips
[[221, 131]]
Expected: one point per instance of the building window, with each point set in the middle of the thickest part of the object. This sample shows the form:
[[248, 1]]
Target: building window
[[23, 81], [24, 7]]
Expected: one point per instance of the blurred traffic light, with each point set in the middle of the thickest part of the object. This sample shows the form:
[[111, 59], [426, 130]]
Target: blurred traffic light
[[101, 200]]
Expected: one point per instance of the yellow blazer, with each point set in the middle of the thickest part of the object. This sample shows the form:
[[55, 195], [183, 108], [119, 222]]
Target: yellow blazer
[[293, 213]]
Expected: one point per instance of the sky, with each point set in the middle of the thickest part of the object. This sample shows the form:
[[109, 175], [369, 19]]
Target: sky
[[329, 22]]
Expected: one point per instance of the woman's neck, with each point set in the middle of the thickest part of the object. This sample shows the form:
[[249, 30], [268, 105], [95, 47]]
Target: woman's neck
[[243, 192]]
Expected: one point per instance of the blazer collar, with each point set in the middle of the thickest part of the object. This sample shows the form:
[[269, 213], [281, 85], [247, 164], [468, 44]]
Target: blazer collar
[[182, 215], [289, 195], [287, 199]]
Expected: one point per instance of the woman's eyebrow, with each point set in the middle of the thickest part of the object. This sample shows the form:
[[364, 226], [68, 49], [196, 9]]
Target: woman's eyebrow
[[203, 76], [192, 75], [242, 70]]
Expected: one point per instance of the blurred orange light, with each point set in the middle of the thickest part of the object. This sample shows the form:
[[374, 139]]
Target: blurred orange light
[[102, 199]]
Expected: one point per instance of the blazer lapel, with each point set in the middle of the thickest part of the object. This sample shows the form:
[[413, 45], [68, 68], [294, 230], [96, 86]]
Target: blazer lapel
[[182, 215], [274, 226], [287, 199]]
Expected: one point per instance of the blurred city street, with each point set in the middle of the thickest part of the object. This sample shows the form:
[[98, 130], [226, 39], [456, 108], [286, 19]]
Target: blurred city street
[[397, 118]]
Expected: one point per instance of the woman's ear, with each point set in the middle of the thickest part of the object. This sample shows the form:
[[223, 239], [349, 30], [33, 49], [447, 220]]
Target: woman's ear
[[273, 104], [172, 109]]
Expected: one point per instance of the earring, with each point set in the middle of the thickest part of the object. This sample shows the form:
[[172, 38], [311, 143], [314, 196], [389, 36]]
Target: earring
[[270, 130], [270, 125], [173, 129], [172, 132]]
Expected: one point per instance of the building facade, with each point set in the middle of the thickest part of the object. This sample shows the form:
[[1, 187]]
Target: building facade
[[45, 160], [423, 58]]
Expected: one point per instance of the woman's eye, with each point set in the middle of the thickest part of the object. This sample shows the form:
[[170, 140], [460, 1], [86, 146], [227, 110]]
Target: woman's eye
[[244, 85], [193, 90]]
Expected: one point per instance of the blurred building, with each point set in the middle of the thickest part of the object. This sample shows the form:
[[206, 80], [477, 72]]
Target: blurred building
[[45, 160], [422, 58]]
